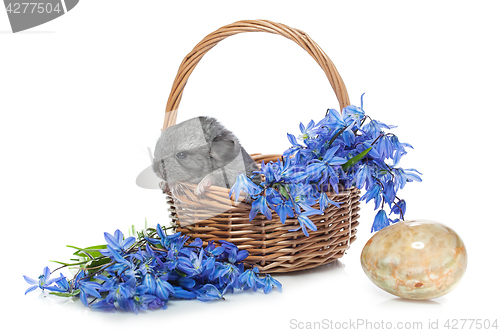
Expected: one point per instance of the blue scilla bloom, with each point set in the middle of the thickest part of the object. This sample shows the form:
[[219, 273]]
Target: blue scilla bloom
[[381, 221], [208, 293], [182, 293], [141, 302], [399, 208], [228, 273], [375, 127], [231, 252], [389, 192], [243, 183], [148, 285], [157, 303], [163, 289], [117, 242], [363, 175], [121, 294], [324, 201], [44, 281], [399, 149], [270, 283], [375, 192], [249, 279], [296, 147], [211, 249], [268, 170], [260, 206], [86, 287], [402, 176], [192, 265], [305, 222], [166, 240], [283, 208], [355, 112], [384, 147], [208, 267], [331, 158], [121, 264], [310, 131], [301, 197], [103, 305], [62, 285], [290, 172], [333, 120]]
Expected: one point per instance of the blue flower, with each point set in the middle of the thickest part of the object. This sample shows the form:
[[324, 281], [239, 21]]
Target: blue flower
[[375, 127], [260, 205], [389, 192], [192, 265], [375, 192], [381, 221], [232, 253], [243, 183], [86, 287], [122, 294], [117, 242], [62, 285], [363, 175], [270, 283], [215, 251], [283, 209], [208, 293], [163, 289], [250, 280], [355, 112], [300, 196], [181, 293], [44, 281], [324, 201], [227, 274], [399, 208], [402, 176], [309, 131], [103, 305], [148, 284], [205, 273], [305, 222]]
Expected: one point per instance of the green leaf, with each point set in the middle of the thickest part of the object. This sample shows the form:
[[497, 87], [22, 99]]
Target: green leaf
[[91, 250], [355, 159], [283, 192], [71, 294], [74, 264], [96, 265], [281, 189]]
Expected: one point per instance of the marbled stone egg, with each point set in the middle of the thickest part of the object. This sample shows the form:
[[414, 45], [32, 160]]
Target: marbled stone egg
[[415, 259]]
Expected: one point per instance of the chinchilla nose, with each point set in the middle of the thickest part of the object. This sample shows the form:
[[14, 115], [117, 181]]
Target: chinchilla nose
[[156, 167]]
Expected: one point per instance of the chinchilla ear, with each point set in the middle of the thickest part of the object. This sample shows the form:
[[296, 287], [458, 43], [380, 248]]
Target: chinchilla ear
[[224, 149]]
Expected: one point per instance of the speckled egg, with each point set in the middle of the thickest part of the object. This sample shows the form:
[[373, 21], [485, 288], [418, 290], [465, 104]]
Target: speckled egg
[[415, 259]]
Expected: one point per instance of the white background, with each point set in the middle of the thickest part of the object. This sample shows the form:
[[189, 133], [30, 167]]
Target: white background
[[83, 96]]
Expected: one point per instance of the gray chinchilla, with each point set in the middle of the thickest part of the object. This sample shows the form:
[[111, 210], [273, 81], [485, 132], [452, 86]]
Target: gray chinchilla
[[200, 151]]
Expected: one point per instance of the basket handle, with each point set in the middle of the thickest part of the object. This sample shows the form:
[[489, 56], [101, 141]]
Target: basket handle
[[191, 60]]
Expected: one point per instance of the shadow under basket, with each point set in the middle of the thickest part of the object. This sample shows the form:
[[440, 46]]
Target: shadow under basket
[[270, 244]]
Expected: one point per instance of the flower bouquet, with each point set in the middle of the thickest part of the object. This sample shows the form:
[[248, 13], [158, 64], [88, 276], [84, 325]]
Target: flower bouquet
[[133, 274], [348, 149]]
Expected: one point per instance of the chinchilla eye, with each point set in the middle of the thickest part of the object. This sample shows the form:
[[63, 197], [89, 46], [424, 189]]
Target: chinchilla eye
[[181, 155]]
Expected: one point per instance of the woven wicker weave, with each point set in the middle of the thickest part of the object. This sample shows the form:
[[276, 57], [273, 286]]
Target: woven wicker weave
[[272, 247]]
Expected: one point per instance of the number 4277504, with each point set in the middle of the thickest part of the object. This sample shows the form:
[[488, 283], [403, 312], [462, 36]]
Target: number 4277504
[[478, 324], [33, 8]]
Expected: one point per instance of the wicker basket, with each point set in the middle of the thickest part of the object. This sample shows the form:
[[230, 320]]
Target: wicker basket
[[271, 246]]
